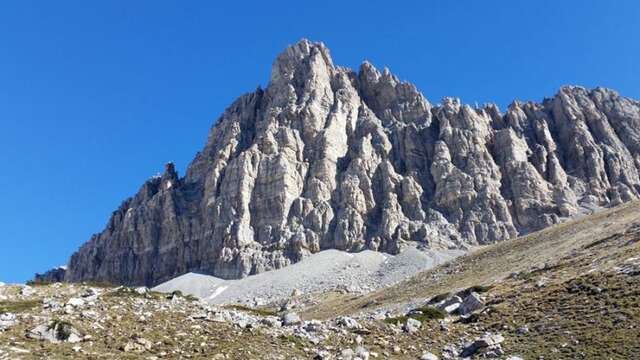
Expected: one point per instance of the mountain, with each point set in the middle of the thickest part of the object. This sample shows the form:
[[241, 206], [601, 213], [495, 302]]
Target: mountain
[[329, 158]]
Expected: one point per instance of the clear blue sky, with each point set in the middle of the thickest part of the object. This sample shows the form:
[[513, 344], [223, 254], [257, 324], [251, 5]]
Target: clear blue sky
[[96, 96]]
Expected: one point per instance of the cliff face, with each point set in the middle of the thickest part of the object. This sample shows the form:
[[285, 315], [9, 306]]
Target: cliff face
[[326, 157]]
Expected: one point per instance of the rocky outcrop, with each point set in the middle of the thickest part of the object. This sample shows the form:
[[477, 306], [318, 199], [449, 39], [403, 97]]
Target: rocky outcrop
[[326, 157], [51, 276]]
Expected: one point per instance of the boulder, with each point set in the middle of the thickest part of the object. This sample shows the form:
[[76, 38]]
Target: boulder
[[470, 304], [55, 332]]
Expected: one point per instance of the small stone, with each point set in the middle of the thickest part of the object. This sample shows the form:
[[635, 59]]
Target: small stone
[[144, 343], [322, 355], [141, 290], [486, 343], [7, 320], [89, 292], [76, 302], [74, 338], [362, 353], [291, 318], [428, 356], [314, 326], [347, 322], [200, 316], [271, 321], [412, 325], [51, 304], [347, 354]]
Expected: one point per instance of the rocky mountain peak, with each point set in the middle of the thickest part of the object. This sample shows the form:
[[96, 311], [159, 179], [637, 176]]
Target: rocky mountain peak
[[326, 158], [300, 63]]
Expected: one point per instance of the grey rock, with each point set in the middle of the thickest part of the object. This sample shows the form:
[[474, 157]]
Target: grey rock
[[326, 157], [90, 293], [51, 276], [412, 325], [488, 344], [55, 332], [50, 304], [347, 354], [7, 320], [141, 290], [470, 304], [314, 326], [291, 318], [428, 356], [27, 291], [271, 321], [362, 353], [451, 304], [76, 302], [322, 355], [347, 322]]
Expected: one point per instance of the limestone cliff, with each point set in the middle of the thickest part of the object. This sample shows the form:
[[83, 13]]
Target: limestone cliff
[[326, 157]]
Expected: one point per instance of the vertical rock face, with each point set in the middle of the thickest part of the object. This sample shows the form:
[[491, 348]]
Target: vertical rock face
[[326, 157]]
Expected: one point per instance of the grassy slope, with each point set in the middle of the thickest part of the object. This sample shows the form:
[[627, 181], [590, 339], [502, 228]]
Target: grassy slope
[[567, 292]]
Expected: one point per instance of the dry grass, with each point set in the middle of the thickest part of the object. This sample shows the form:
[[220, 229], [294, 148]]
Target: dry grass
[[253, 311], [18, 306], [490, 265], [560, 283]]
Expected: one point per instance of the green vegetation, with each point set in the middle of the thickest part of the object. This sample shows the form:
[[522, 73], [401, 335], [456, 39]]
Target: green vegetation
[[425, 313], [131, 292]]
